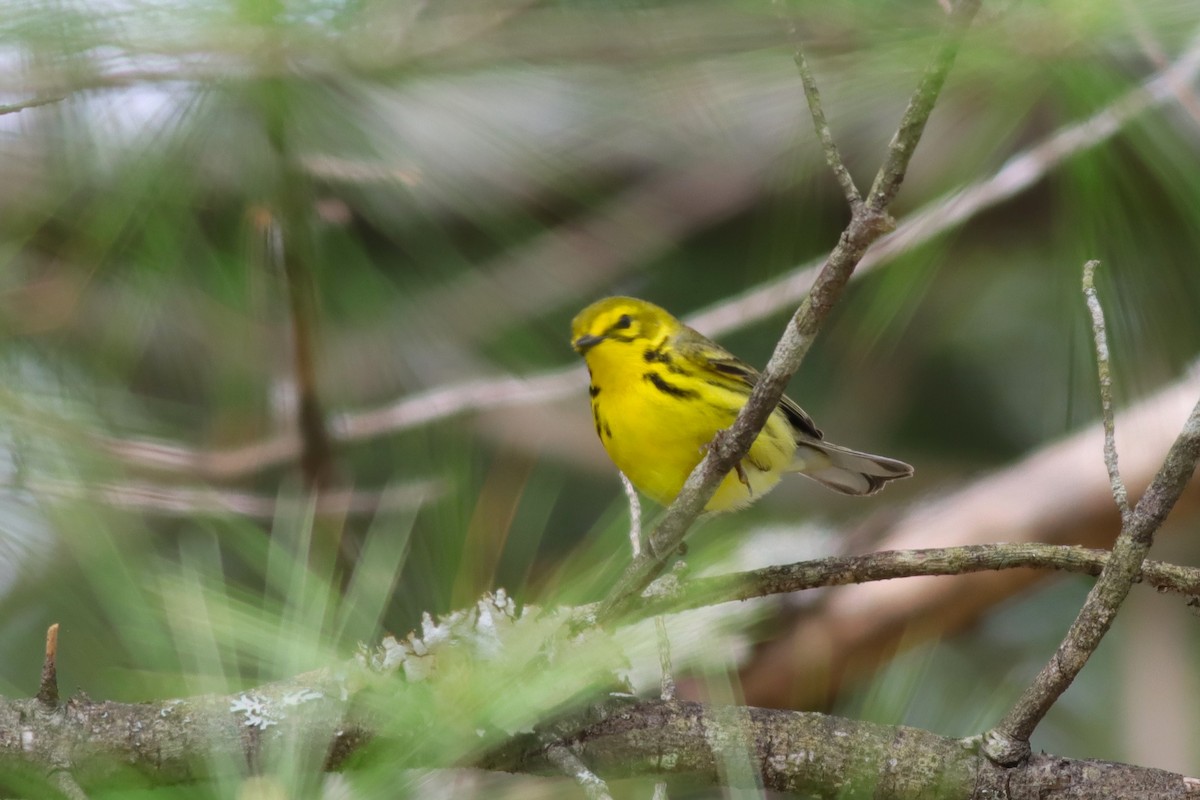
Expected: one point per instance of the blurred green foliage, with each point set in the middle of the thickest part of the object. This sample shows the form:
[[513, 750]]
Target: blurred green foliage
[[457, 179]]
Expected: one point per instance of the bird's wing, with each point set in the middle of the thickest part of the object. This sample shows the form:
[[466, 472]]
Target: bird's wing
[[698, 349]]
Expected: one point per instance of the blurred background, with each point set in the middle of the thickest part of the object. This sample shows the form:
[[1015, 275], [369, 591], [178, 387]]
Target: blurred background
[[285, 290]]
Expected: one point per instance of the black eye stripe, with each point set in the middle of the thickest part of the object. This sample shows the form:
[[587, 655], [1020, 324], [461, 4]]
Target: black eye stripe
[[625, 321]]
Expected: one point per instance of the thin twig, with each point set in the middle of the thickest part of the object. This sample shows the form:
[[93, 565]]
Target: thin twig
[[1008, 742], [869, 222], [891, 564], [1100, 335], [635, 515], [48, 687], [65, 782], [13, 108], [832, 156], [664, 659], [190, 501], [570, 764], [1154, 51], [1022, 171]]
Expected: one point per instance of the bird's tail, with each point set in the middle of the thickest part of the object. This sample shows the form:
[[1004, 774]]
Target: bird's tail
[[845, 470]]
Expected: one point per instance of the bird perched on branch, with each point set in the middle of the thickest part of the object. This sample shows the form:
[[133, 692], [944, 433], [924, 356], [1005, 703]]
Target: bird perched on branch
[[661, 391]]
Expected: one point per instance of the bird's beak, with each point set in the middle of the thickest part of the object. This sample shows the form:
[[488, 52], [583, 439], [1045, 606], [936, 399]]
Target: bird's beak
[[585, 343]]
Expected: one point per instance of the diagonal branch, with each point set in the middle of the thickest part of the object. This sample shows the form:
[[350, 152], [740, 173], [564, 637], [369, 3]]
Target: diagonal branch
[[13, 108], [1008, 742], [594, 787], [832, 155], [869, 222]]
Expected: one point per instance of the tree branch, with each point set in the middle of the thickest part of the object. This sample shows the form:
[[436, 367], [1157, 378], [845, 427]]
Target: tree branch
[[115, 744], [107, 744], [47, 693], [13, 108], [828, 757], [570, 765], [177, 501], [832, 155], [1008, 742], [891, 564], [1058, 493], [1100, 337], [869, 222]]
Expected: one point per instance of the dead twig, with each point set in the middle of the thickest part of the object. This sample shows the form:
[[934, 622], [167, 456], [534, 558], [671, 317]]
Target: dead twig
[[48, 687], [1008, 742], [570, 764], [1100, 337]]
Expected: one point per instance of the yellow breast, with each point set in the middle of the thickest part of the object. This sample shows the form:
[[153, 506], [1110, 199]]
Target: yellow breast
[[656, 422]]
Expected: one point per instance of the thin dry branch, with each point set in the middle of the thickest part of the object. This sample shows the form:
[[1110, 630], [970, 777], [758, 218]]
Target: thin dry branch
[[47, 693], [832, 155], [664, 659], [1057, 494], [593, 786], [891, 564], [1008, 742], [635, 515], [13, 108], [194, 501], [67, 784], [868, 223], [1100, 337]]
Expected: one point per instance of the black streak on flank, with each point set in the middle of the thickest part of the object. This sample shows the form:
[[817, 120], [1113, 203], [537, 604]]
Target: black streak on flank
[[596, 418], [593, 390], [651, 356], [668, 388], [607, 430]]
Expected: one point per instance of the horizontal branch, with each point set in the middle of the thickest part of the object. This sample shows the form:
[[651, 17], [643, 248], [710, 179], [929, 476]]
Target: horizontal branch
[[192, 501], [13, 108], [826, 757], [892, 564], [1058, 494], [106, 744]]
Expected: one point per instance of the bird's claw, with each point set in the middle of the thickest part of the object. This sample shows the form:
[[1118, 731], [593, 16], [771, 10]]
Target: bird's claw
[[743, 477]]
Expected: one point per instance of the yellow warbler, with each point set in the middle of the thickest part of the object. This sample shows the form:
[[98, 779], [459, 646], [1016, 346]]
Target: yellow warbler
[[661, 391]]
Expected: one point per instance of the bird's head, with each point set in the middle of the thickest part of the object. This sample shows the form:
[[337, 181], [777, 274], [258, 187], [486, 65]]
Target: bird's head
[[620, 321]]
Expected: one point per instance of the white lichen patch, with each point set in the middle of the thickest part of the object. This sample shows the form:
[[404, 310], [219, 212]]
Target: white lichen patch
[[480, 631], [27, 740], [256, 709], [300, 696], [168, 707]]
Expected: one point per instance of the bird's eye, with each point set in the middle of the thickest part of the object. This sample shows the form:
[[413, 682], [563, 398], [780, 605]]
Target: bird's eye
[[624, 322]]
